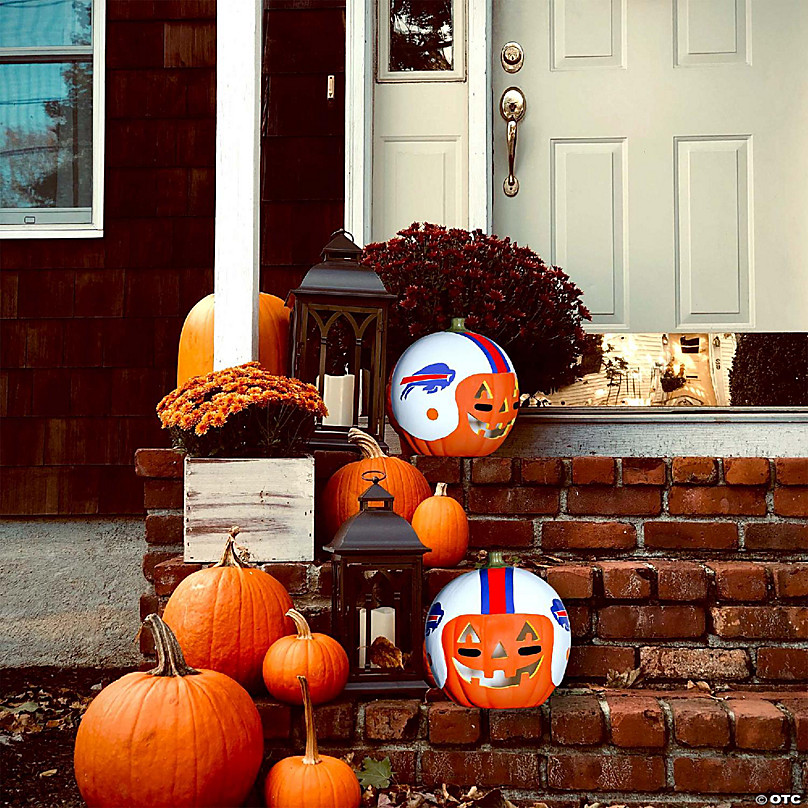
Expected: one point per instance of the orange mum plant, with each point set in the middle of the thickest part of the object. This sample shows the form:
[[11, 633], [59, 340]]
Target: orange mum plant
[[241, 411]]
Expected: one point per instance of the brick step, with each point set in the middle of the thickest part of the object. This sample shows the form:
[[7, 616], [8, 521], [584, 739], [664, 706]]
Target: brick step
[[580, 745]]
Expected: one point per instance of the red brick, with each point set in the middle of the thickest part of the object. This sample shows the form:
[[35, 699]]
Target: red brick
[[786, 664], [324, 577], [162, 494], [790, 580], [691, 535], [149, 604], [439, 469], [588, 536], [515, 726], [595, 661], [798, 709], [169, 572], [159, 463], [491, 470], [694, 470], [681, 580], [453, 724], [777, 536], [571, 582], [164, 528], [542, 471], [724, 775], [503, 499], [650, 622], [276, 719], [700, 722], [516, 769], [607, 501], [292, 576], [392, 720], [758, 724], [720, 500], [625, 580], [335, 721], [580, 620], [593, 470], [437, 578], [765, 622], [636, 721], [488, 533], [151, 561], [791, 501], [713, 664], [746, 471], [597, 772], [576, 720], [791, 470], [739, 580], [643, 471]]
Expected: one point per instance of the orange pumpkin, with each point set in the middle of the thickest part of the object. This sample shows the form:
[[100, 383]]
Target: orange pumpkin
[[168, 738], [318, 657], [195, 356], [442, 525], [226, 616], [341, 496], [314, 780]]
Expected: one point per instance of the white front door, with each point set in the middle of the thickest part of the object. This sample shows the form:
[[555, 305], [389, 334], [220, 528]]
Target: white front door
[[663, 157]]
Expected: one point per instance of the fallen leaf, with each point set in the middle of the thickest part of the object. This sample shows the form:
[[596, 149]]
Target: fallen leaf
[[375, 773], [386, 655], [28, 707], [624, 679], [48, 773], [700, 685]]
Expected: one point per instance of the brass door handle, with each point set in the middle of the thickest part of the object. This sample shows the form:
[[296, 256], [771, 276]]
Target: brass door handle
[[512, 107]]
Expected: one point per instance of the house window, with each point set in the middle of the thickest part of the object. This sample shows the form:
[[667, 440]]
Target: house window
[[51, 117]]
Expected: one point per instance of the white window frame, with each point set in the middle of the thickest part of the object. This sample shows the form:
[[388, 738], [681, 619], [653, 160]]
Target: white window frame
[[95, 227]]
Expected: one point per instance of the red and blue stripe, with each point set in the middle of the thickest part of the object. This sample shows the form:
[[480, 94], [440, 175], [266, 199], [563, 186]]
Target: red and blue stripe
[[493, 353], [496, 590]]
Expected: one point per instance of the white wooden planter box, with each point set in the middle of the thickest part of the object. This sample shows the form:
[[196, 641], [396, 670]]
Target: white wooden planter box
[[271, 500]]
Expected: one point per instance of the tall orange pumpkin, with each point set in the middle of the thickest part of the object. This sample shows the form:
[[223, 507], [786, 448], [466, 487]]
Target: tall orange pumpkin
[[195, 356], [442, 525], [169, 738], [314, 780], [226, 616], [403, 481]]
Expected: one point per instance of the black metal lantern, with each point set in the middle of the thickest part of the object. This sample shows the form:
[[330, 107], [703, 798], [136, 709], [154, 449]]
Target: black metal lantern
[[377, 561], [339, 336]]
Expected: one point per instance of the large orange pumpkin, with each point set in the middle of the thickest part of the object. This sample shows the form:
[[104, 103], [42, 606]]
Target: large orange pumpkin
[[442, 525], [169, 738], [314, 780], [226, 616], [318, 657], [341, 496], [195, 356]]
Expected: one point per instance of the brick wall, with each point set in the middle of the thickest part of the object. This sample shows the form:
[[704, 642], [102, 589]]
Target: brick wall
[[681, 569]]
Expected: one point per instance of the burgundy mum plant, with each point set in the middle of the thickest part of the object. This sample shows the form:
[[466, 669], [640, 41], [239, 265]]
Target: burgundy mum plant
[[504, 291]]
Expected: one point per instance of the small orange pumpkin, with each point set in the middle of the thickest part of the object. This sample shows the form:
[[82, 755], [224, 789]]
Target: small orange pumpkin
[[442, 525], [195, 357], [403, 481], [169, 738], [314, 780], [226, 616], [318, 657]]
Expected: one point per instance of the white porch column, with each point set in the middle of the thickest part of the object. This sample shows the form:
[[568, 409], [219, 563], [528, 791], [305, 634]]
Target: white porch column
[[238, 161]]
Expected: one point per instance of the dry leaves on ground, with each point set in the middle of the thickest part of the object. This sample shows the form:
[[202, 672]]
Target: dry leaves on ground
[[443, 797], [33, 710]]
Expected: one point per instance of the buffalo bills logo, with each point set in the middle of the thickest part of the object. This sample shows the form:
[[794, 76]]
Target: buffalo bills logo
[[431, 379], [433, 618], [560, 614]]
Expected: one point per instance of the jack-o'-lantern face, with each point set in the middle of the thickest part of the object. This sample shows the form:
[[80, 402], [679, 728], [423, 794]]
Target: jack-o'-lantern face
[[499, 660], [488, 404]]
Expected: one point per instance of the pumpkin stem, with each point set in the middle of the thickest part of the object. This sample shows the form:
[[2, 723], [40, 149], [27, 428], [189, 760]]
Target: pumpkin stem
[[440, 489], [170, 661], [303, 630], [367, 444], [458, 324], [312, 757], [495, 559], [230, 556]]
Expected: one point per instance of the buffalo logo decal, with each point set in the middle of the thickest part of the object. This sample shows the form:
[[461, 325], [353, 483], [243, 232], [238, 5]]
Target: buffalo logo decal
[[433, 619], [560, 614], [431, 379]]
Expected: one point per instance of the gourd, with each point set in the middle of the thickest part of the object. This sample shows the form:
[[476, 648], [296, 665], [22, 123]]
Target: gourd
[[442, 525], [227, 615], [314, 780], [169, 738], [405, 482], [318, 657], [195, 356]]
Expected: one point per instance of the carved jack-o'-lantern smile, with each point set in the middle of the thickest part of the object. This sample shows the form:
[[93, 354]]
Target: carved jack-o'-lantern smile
[[490, 402]]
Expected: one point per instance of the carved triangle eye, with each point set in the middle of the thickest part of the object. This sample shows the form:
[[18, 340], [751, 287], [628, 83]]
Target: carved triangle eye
[[527, 632], [469, 635], [484, 390], [499, 652]]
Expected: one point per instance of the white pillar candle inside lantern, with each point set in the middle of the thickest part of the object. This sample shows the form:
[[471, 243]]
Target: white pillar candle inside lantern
[[338, 395], [382, 624]]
